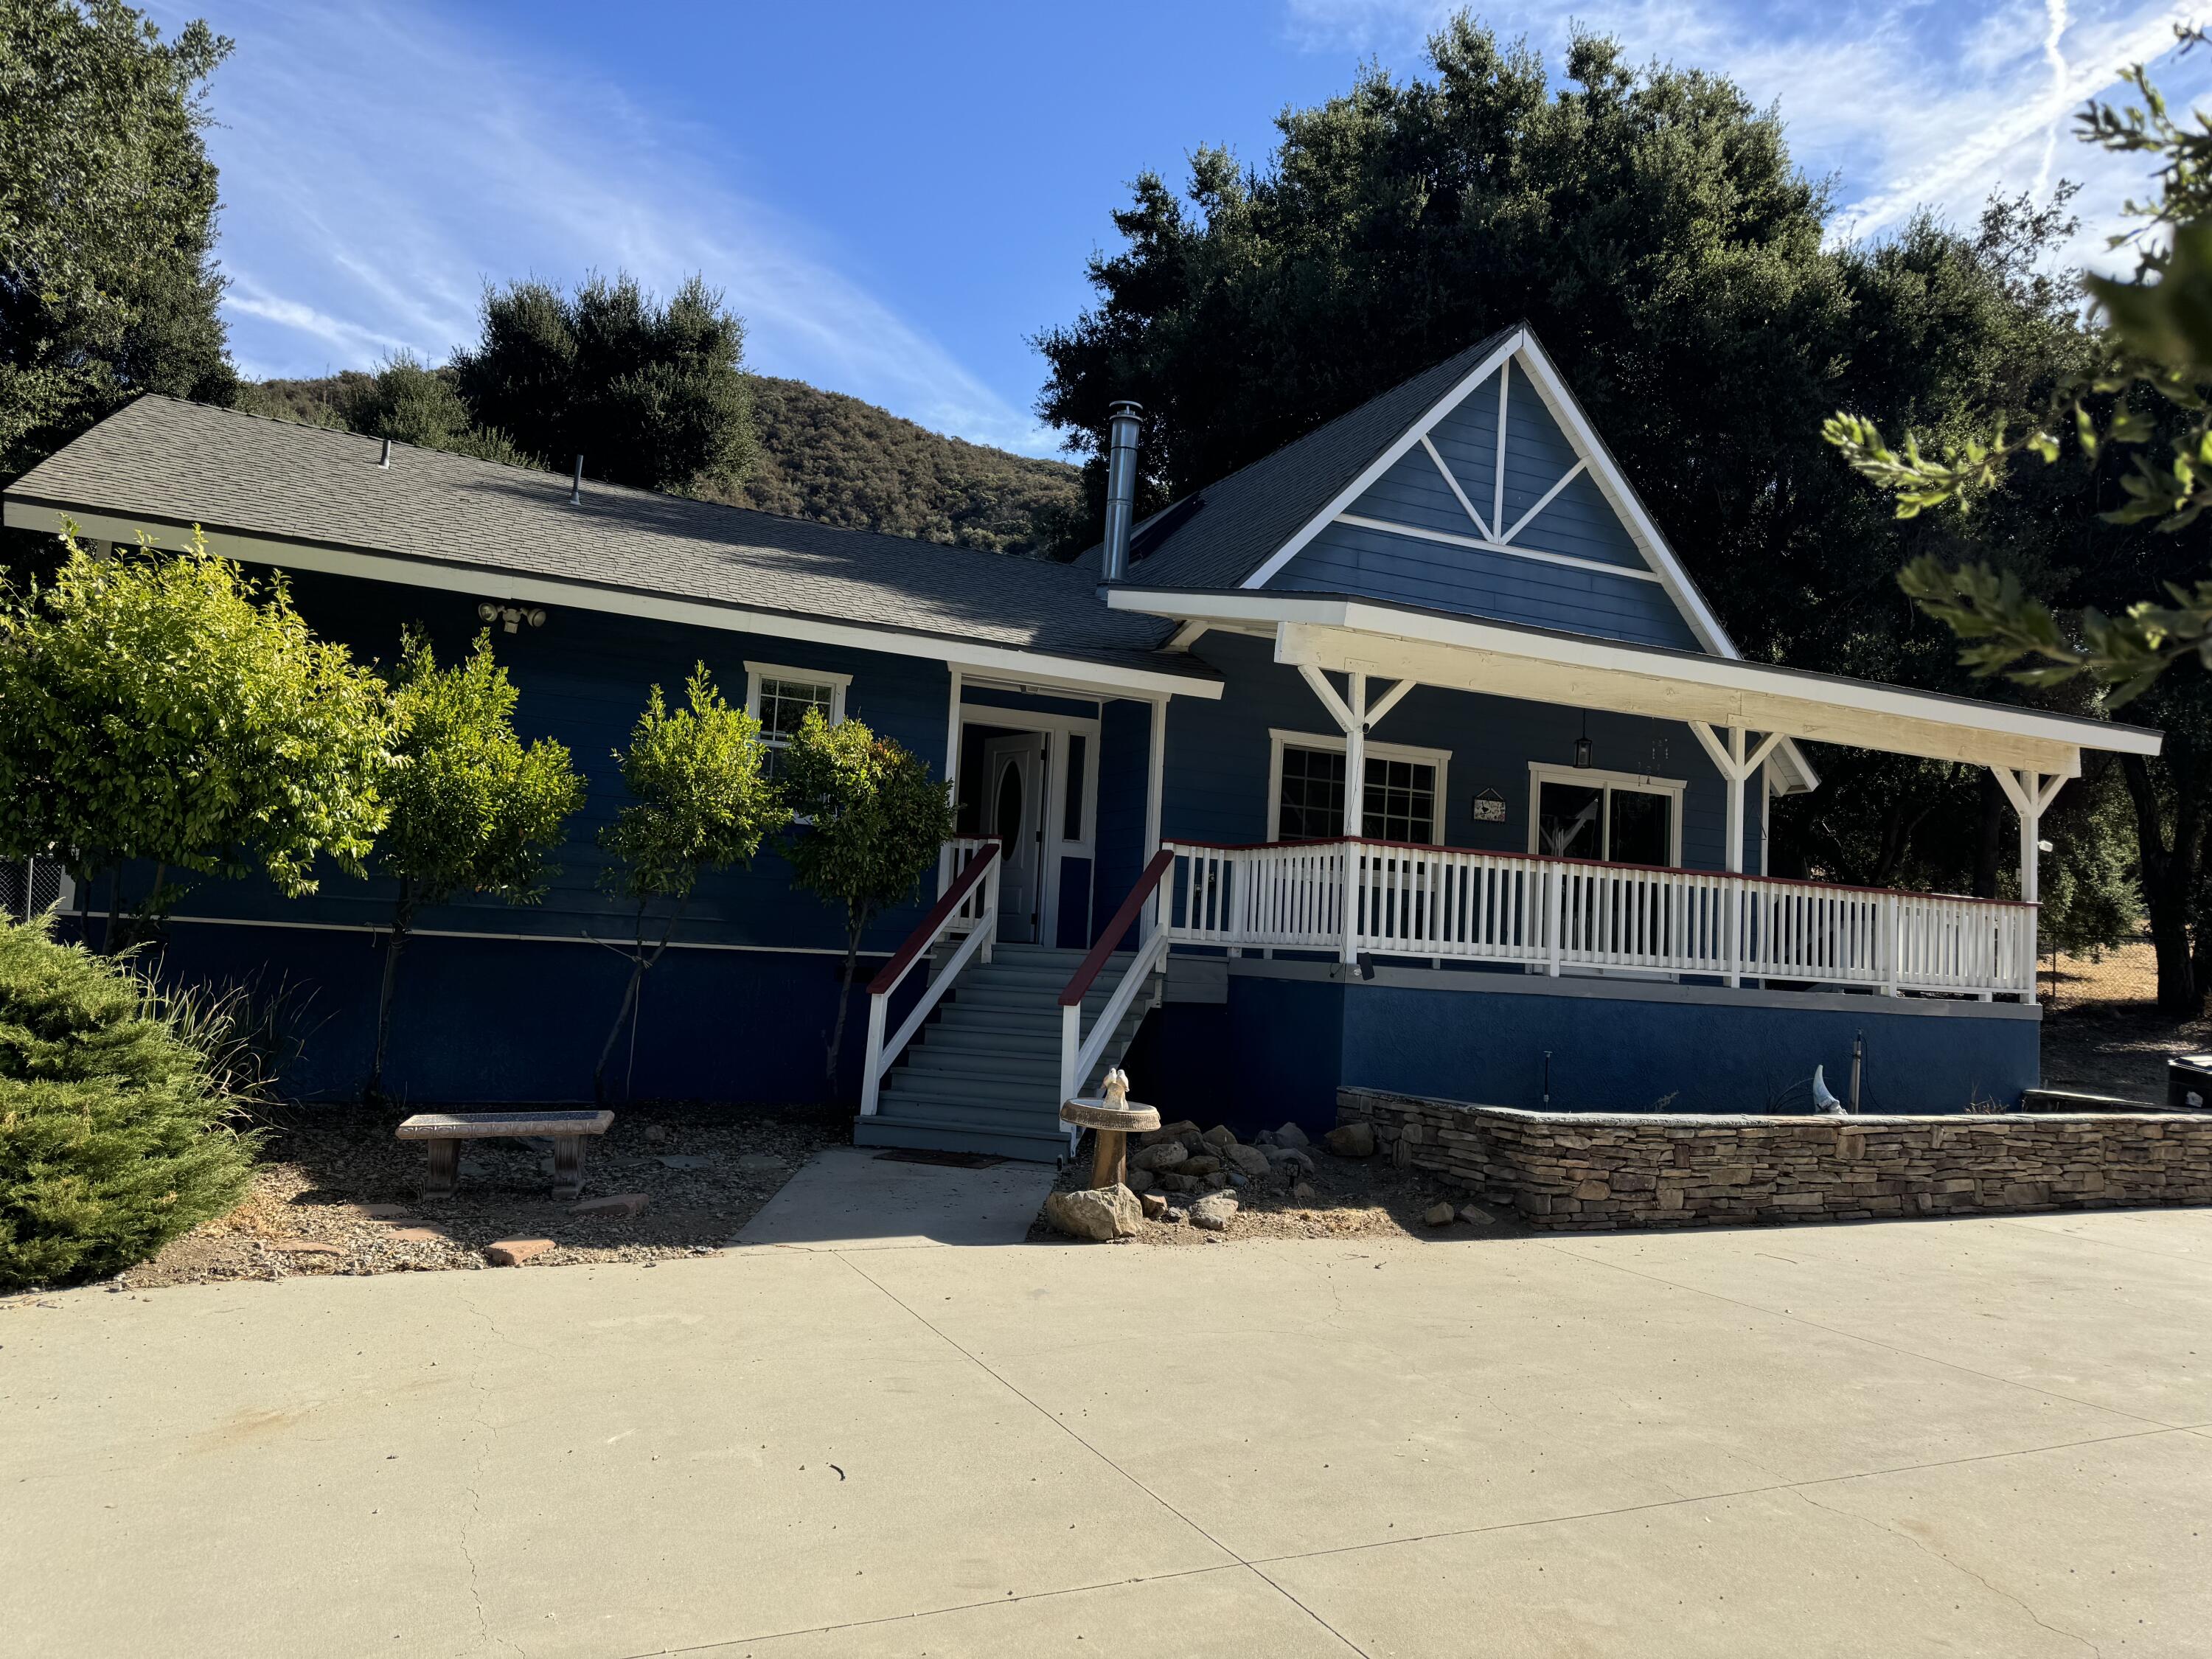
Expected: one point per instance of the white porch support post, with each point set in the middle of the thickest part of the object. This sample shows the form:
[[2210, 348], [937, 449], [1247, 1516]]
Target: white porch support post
[[1355, 801], [1155, 768], [1736, 767], [2031, 794], [945, 870]]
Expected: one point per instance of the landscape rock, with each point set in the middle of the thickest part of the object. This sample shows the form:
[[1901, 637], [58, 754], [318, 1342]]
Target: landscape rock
[[1291, 1135], [1156, 1205], [654, 1134], [418, 1235], [309, 1246], [615, 1207], [761, 1161], [1096, 1212], [1163, 1155], [1290, 1158], [1204, 1164], [1168, 1132], [1303, 1193], [683, 1160], [1219, 1135], [1351, 1140], [1440, 1215], [1176, 1215], [513, 1252], [1475, 1216], [1212, 1213], [1238, 1178], [1250, 1159]]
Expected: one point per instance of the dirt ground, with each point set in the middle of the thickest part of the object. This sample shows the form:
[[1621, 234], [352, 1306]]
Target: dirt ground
[[337, 1194], [1354, 1198], [2102, 1031]]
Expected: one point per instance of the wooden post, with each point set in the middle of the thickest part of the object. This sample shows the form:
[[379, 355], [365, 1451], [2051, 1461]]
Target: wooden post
[[1155, 782], [1355, 802], [945, 870], [2031, 794]]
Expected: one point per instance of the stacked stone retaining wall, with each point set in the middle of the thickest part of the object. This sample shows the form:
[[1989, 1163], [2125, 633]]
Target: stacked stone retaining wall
[[1588, 1171]]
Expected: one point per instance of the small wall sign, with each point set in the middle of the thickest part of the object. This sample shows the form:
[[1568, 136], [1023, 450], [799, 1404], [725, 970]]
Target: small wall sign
[[1488, 807]]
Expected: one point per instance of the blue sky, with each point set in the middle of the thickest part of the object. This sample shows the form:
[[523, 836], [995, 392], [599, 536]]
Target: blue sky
[[896, 197]]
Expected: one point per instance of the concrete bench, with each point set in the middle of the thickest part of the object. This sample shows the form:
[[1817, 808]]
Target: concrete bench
[[442, 1133]]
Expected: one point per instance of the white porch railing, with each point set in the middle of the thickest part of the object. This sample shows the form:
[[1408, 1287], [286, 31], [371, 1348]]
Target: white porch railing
[[970, 905], [1557, 913], [965, 851]]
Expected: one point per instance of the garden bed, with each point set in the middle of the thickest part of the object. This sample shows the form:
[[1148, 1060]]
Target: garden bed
[[334, 1192]]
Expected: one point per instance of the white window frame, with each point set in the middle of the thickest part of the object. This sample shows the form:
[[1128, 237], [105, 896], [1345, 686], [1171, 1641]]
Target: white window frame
[[1279, 739], [1543, 772], [757, 671]]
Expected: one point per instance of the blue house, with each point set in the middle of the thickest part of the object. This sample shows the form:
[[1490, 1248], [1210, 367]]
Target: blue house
[[1408, 756]]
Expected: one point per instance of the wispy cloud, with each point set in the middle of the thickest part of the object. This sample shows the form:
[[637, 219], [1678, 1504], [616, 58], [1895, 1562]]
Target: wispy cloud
[[380, 165], [1906, 105]]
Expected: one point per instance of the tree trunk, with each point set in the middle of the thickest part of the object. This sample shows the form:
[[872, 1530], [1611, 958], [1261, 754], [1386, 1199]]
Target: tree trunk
[[2169, 869], [858, 924], [402, 918], [640, 963]]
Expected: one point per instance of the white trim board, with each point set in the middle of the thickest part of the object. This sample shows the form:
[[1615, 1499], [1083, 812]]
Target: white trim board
[[1522, 347], [1389, 458], [1278, 739], [1044, 670], [1331, 631], [1419, 534], [1588, 777], [373, 928]]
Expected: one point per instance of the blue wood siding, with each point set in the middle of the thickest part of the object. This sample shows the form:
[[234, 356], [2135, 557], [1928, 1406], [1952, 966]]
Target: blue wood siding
[[1372, 563], [1124, 764], [1577, 522], [1218, 753], [582, 679]]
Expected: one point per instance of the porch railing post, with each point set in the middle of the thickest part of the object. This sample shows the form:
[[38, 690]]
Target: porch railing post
[[1893, 942], [1735, 924], [1555, 916], [872, 1068]]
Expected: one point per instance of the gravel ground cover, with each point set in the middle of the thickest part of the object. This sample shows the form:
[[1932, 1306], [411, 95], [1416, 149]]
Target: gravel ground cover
[[337, 1194]]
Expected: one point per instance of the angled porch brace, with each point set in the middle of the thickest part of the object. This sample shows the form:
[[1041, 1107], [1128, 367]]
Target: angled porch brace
[[1737, 768], [1354, 719]]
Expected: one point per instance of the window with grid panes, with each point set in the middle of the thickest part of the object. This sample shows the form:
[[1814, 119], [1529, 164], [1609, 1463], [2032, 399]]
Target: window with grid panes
[[783, 706], [1399, 803]]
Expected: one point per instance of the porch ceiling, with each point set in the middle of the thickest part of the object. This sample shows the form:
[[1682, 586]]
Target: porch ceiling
[[1329, 631]]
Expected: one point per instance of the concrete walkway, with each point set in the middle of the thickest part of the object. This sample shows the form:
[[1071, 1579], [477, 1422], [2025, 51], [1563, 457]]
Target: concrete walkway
[[1984, 1437]]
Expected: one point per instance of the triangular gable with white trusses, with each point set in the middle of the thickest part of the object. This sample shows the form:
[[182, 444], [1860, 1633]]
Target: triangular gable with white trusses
[[1500, 501]]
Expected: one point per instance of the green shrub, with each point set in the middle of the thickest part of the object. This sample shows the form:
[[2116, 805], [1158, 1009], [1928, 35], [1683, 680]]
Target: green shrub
[[115, 1112]]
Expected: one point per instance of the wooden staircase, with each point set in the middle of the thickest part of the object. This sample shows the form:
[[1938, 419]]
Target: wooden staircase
[[984, 1077]]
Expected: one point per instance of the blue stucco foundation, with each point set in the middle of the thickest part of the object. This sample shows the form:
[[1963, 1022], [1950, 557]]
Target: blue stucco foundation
[[1290, 1034]]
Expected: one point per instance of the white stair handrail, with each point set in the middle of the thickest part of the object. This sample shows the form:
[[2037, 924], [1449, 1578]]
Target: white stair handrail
[[1080, 1054], [950, 914]]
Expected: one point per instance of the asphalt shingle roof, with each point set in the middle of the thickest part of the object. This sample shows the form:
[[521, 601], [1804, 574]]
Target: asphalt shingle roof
[[162, 459], [1216, 537]]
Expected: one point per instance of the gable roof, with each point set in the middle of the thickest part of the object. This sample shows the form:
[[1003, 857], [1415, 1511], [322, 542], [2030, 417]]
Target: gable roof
[[1242, 532], [1217, 536], [167, 462]]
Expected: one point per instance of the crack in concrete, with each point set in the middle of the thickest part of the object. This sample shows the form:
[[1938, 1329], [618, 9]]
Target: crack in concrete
[[1928, 1549], [1236, 1556], [489, 1433]]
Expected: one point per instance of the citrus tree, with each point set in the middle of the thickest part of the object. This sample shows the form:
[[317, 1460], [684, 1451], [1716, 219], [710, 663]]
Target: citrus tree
[[703, 801], [474, 810], [165, 707], [873, 821]]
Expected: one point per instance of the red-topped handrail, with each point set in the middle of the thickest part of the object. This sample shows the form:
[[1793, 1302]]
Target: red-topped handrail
[[919, 940], [1079, 986]]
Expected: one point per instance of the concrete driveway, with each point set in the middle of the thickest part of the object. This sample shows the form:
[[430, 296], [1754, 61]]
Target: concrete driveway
[[1983, 1437]]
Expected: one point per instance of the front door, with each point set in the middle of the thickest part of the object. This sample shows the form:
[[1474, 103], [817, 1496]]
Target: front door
[[1014, 807]]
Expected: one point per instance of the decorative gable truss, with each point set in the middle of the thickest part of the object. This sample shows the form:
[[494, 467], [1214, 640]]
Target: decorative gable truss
[[1501, 501]]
